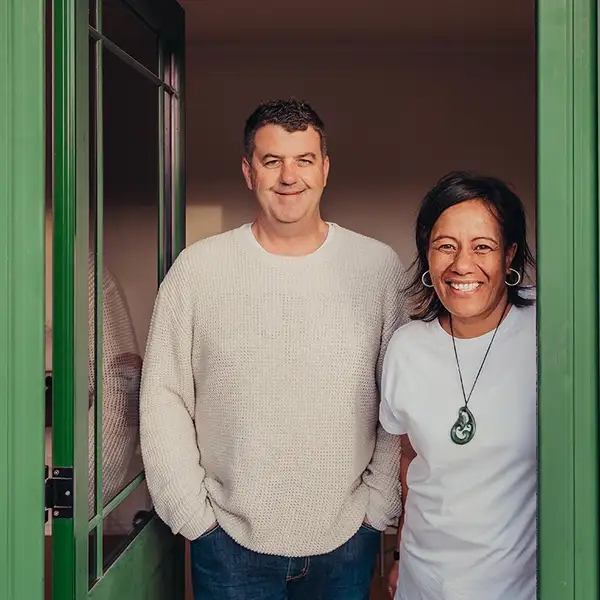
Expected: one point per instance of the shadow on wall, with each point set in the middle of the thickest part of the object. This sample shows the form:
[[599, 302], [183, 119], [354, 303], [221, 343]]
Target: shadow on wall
[[396, 121]]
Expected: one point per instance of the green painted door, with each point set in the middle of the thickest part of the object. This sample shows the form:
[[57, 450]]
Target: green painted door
[[118, 223], [568, 298], [21, 300]]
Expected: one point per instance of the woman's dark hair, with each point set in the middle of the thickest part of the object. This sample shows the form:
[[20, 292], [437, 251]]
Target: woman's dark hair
[[504, 204]]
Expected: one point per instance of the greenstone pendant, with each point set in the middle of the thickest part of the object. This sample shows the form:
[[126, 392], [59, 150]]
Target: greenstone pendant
[[463, 430]]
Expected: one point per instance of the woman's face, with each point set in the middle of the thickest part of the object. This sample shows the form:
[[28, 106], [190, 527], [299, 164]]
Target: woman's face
[[468, 263]]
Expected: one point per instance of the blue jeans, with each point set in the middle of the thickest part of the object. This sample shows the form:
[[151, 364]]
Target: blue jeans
[[224, 570]]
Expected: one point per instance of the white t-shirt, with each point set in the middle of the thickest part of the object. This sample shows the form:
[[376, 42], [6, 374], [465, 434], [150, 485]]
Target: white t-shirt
[[470, 517]]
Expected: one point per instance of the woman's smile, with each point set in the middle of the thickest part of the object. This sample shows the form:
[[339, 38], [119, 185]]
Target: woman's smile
[[464, 288]]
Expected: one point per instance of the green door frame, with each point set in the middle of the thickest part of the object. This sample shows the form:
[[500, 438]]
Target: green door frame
[[70, 316], [22, 189], [567, 279], [568, 298]]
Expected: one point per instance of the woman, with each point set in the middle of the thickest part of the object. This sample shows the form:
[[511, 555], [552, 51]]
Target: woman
[[459, 384]]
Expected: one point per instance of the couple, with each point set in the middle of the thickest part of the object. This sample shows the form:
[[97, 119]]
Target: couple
[[282, 377]]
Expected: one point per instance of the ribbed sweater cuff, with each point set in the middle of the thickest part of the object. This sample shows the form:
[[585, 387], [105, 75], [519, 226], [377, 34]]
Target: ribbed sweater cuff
[[382, 513]]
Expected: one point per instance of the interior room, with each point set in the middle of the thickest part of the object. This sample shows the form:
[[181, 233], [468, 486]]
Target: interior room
[[407, 91]]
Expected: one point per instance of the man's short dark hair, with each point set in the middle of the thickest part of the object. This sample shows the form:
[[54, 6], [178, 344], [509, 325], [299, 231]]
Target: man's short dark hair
[[291, 114]]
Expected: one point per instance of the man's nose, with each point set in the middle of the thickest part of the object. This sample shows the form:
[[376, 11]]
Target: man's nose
[[288, 174]]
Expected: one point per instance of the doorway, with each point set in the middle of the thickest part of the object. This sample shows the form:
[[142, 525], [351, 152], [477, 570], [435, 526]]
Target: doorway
[[407, 92]]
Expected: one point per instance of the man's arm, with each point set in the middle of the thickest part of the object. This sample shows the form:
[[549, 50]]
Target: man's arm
[[383, 473], [172, 460]]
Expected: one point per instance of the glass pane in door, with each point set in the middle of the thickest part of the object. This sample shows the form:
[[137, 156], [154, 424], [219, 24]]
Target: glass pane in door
[[121, 25], [129, 284], [92, 12]]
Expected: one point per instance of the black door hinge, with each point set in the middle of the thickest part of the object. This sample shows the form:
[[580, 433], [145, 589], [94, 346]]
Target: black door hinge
[[59, 492]]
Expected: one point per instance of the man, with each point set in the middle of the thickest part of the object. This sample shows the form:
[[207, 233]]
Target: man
[[259, 402]]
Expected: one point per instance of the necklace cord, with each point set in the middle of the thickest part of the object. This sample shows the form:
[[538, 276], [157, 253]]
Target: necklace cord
[[462, 385]]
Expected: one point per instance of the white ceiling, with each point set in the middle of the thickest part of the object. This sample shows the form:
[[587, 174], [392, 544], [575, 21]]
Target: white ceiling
[[464, 22]]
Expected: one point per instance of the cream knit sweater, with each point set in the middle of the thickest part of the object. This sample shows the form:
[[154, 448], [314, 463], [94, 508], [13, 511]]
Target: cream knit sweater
[[259, 400]]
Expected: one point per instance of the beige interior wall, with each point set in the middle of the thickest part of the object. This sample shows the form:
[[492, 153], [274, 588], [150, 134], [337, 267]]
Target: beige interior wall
[[397, 119]]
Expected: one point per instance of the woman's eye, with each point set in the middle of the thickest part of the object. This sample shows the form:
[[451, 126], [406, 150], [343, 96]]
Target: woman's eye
[[482, 248], [446, 247]]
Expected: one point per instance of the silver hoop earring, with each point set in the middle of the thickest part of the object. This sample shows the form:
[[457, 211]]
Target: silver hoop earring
[[513, 283], [427, 285]]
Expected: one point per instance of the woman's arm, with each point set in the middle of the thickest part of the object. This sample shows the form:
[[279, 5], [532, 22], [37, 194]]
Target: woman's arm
[[408, 454]]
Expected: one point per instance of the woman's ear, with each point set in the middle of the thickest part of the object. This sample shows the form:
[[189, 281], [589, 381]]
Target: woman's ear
[[510, 256]]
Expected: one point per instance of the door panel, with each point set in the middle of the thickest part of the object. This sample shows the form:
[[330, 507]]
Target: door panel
[[70, 336], [150, 568], [568, 299], [22, 193], [113, 242]]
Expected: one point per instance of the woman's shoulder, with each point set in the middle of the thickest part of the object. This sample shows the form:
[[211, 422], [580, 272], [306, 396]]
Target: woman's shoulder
[[411, 333], [527, 315]]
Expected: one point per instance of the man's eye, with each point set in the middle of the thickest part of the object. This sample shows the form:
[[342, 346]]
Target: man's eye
[[271, 163], [305, 162]]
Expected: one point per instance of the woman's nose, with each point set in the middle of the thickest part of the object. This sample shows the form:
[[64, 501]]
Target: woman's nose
[[463, 262]]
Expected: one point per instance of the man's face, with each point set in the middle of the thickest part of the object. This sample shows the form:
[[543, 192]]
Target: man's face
[[287, 173]]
